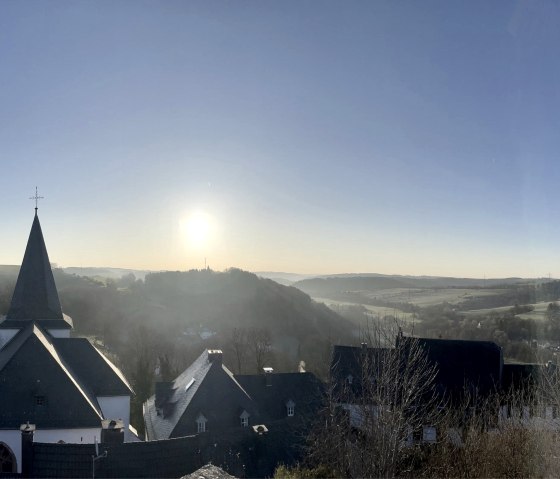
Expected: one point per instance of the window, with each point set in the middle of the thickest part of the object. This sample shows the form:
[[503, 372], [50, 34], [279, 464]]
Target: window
[[244, 418], [7, 459], [290, 408], [201, 423], [429, 434]]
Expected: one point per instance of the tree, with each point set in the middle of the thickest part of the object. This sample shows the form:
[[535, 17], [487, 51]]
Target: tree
[[260, 344], [370, 421], [239, 344]]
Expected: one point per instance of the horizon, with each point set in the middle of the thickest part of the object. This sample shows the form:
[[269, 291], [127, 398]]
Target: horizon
[[279, 274], [401, 138]]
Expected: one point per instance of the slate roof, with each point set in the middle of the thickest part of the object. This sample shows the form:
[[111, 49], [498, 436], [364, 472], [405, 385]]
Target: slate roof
[[272, 393], [222, 397], [462, 365], [201, 388], [472, 365], [350, 361], [91, 367], [31, 367], [35, 296]]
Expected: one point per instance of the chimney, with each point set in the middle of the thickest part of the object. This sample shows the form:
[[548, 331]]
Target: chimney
[[215, 356], [268, 376], [112, 431], [27, 432], [364, 347], [163, 392]]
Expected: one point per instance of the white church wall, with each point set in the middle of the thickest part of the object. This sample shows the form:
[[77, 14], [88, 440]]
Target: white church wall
[[116, 407], [72, 436], [12, 439], [59, 333]]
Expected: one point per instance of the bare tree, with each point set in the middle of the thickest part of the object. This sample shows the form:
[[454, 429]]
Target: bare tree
[[240, 345], [371, 418], [260, 344]]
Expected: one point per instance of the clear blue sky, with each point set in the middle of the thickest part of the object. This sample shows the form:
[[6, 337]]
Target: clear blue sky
[[310, 136]]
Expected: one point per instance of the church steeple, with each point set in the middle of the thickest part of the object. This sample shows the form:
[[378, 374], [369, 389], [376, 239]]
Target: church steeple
[[35, 295]]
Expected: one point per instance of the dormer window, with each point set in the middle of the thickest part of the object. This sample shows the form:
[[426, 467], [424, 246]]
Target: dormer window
[[290, 408], [201, 423], [244, 418]]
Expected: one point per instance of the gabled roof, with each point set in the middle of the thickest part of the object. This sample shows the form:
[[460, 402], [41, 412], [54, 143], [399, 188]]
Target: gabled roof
[[201, 388], [473, 366], [463, 365], [35, 296], [31, 367], [92, 368]]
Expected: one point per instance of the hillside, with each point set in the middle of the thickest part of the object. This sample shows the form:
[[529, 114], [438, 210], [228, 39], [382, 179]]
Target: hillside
[[177, 314]]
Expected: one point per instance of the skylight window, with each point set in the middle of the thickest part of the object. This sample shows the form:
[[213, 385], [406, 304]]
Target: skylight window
[[191, 382]]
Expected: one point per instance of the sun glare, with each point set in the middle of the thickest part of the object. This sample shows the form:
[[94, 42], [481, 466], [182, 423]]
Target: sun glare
[[197, 228]]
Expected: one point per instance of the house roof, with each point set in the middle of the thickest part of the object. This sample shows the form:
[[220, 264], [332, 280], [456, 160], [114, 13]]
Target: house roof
[[209, 389], [31, 367], [162, 420], [461, 365], [472, 365], [35, 296], [271, 393]]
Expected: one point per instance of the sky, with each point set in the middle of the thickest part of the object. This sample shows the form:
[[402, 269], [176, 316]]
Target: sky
[[307, 136]]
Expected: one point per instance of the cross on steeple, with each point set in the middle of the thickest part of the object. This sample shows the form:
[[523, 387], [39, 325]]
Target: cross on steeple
[[36, 198]]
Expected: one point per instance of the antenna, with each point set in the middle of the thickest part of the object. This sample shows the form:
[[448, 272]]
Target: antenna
[[36, 198]]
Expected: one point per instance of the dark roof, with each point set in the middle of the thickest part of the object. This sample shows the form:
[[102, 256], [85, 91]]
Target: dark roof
[[31, 367], [271, 393], [201, 388], [474, 366], [35, 296], [463, 365], [517, 377], [92, 368]]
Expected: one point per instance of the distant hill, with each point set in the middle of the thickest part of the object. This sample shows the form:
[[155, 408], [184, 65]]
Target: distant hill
[[321, 286], [112, 273], [180, 313]]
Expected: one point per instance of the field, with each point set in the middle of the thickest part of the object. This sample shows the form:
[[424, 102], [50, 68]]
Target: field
[[418, 297], [538, 313], [375, 310]]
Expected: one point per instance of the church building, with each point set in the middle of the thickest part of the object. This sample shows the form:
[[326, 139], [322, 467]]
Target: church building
[[61, 384]]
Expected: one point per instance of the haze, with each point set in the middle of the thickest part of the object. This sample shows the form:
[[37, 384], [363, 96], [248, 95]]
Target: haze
[[312, 137]]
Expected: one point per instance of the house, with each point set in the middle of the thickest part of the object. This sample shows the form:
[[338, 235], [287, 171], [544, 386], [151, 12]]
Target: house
[[62, 384], [208, 401], [460, 367], [456, 371]]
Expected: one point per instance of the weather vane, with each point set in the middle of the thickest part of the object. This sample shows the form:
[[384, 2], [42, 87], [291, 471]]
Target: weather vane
[[36, 198]]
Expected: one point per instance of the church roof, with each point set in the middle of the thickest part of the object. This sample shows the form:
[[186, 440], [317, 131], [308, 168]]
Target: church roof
[[39, 385], [91, 367], [35, 296]]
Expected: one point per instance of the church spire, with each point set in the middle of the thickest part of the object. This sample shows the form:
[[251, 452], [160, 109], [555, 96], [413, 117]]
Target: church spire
[[35, 295]]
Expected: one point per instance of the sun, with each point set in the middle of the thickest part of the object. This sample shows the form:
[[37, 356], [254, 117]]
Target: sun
[[197, 228]]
